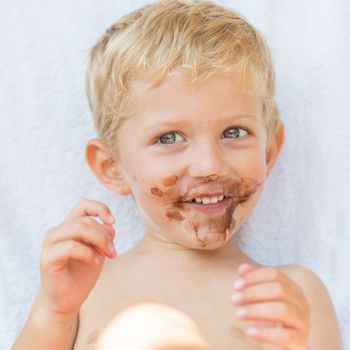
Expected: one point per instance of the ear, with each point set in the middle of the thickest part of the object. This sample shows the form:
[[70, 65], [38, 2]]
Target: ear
[[106, 167], [274, 146]]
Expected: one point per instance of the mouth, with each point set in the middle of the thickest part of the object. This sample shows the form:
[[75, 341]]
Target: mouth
[[209, 205]]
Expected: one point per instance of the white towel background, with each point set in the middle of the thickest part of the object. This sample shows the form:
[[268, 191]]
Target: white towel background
[[303, 216]]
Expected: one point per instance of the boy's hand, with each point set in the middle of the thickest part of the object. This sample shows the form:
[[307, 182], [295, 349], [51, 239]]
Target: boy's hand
[[266, 294], [72, 256]]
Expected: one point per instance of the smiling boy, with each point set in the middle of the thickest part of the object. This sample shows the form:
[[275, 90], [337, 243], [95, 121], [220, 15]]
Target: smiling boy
[[182, 93], [184, 142]]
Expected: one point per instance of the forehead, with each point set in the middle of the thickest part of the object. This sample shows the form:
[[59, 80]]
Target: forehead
[[222, 94]]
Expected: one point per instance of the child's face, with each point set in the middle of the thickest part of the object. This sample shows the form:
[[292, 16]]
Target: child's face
[[187, 142]]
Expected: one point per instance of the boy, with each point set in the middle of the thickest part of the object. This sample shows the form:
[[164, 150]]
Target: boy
[[182, 93]]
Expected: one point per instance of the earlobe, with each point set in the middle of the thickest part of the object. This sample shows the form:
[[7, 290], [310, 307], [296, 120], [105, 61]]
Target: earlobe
[[116, 180], [274, 147], [105, 167]]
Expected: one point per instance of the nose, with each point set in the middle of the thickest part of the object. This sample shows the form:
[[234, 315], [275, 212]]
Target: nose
[[207, 159]]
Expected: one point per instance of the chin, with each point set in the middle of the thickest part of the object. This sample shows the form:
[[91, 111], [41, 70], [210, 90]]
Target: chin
[[209, 245]]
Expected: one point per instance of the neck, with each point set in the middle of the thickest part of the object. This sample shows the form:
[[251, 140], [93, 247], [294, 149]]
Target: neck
[[150, 243]]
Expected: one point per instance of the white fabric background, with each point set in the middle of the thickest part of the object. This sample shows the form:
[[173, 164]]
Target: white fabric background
[[303, 216]]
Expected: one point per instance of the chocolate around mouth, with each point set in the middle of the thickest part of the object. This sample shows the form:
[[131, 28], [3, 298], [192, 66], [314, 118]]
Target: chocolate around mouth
[[236, 193], [240, 191]]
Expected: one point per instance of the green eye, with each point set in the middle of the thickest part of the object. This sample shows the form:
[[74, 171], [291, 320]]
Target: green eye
[[234, 133], [169, 138]]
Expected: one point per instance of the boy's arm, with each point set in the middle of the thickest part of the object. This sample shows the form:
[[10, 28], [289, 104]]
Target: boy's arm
[[325, 331], [44, 330]]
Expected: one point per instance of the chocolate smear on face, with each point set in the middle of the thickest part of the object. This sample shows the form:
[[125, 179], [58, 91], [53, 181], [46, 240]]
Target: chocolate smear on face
[[175, 215], [170, 181], [181, 206], [156, 191], [205, 226], [210, 178], [202, 243]]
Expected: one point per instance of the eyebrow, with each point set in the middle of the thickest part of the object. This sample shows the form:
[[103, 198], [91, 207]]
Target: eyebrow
[[245, 116], [184, 120]]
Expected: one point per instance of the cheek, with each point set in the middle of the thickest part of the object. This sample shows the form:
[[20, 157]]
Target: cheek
[[257, 168], [155, 196], [156, 177], [251, 163], [150, 191]]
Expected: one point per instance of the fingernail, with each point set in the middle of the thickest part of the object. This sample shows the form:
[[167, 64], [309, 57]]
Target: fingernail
[[237, 297], [239, 283], [252, 331], [240, 312], [111, 248], [110, 218], [243, 267]]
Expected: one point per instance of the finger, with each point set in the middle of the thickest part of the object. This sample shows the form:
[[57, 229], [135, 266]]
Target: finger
[[269, 291], [88, 207], [101, 254], [261, 275], [110, 230], [74, 228], [285, 337], [85, 230], [60, 253], [244, 268], [285, 313]]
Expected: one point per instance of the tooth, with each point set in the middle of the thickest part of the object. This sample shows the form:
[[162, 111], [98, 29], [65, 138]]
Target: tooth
[[206, 200], [214, 200]]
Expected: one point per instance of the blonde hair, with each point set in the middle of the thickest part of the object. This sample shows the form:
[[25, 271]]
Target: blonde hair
[[200, 37]]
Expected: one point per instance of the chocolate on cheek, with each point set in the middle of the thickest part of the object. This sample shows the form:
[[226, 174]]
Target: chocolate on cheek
[[156, 191], [170, 181], [174, 215]]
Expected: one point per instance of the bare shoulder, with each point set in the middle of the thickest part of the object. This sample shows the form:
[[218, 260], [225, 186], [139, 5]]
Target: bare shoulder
[[325, 330], [308, 280]]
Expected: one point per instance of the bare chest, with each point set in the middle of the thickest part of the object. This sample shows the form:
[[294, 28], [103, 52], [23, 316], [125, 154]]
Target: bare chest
[[205, 298]]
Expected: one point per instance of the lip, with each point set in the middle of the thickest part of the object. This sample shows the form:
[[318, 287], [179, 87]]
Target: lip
[[201, 194], [211, 207]]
